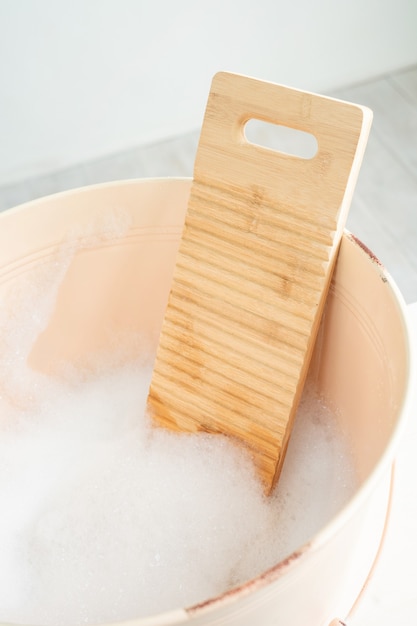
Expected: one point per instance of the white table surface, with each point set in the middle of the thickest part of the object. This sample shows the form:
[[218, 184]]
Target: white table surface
[[391, 596]]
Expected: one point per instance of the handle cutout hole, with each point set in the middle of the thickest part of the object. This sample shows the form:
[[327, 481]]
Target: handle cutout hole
[[284, 139]]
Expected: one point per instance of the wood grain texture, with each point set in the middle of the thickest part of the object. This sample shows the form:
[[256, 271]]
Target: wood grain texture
[[259, 244]]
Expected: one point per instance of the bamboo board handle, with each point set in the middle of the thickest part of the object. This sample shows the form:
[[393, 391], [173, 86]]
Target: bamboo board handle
[[254, 265]]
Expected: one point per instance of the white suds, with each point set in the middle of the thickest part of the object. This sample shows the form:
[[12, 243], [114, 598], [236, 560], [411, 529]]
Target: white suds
[[105, 518]]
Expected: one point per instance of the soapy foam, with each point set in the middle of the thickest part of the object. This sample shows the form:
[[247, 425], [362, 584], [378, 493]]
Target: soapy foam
[[106, 518]]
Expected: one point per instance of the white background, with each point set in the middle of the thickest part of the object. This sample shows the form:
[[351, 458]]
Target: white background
[[81, 79]]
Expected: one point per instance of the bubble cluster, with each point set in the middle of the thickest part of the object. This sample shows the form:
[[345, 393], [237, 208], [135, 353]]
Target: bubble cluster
[[106, 518]]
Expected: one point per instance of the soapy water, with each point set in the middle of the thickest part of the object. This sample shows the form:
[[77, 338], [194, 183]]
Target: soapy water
[[106, 518]]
